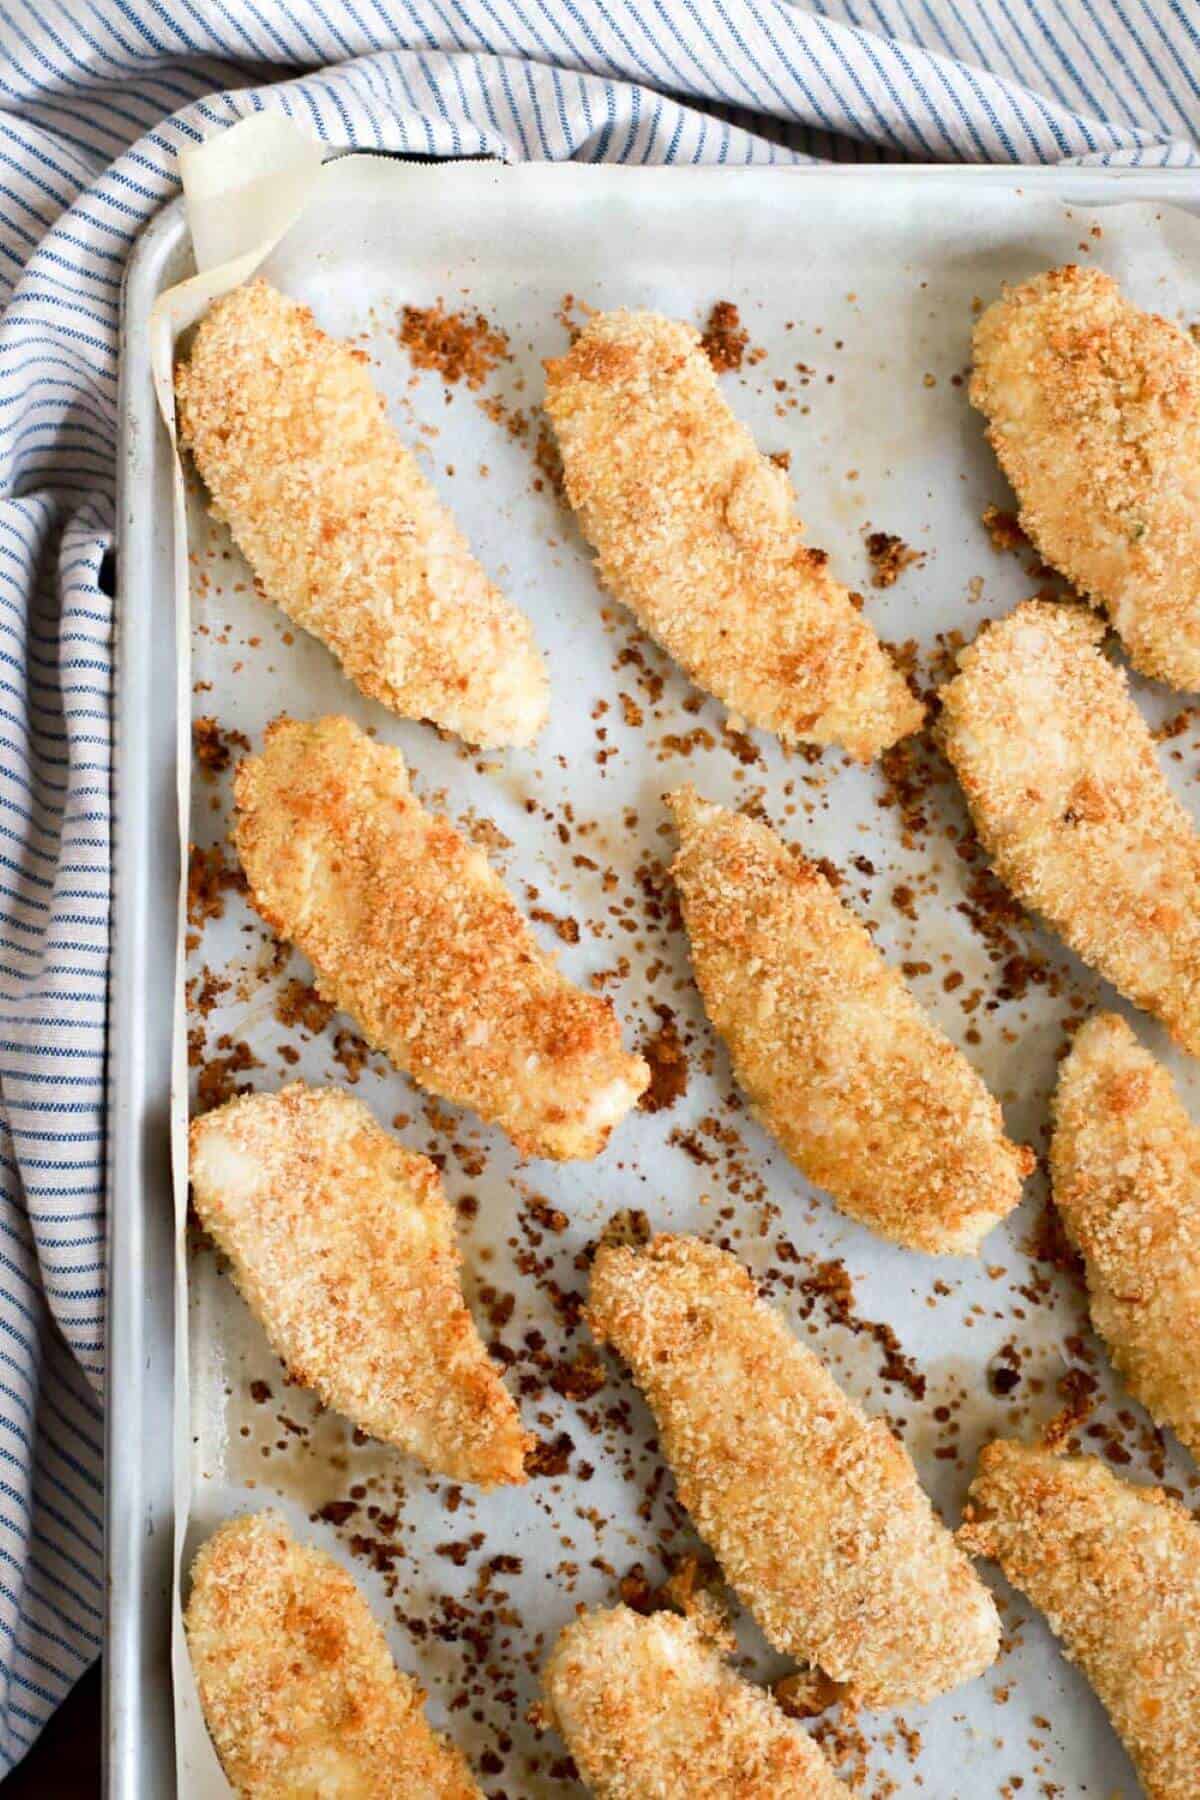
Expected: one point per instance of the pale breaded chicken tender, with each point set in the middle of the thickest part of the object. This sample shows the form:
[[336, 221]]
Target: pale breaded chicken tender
[[342, 529], [1067, 796], [813, 1510], [1093, 410], [1125, 1164], [1116, 1570], [417, 938], [300, 1693], [651, 1711], [837, 1058], [342, 1242], [695, 533]]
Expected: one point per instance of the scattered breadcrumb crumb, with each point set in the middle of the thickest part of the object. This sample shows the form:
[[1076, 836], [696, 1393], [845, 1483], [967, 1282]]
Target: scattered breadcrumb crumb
[[889, 556]]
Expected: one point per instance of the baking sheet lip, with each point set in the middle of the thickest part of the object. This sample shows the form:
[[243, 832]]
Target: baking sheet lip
[[1166, 182], [138, 1737], [138, 1734]]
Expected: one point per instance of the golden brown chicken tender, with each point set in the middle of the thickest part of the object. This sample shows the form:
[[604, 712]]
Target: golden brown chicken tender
[[299, 1690], [415, 936], [813, 1510], [1093, 410], [1116, 1570], [342, 529], [343, 1244], [1125, 1163], [1067, 796], [695, 532], [839, 1061], [649, 1711]]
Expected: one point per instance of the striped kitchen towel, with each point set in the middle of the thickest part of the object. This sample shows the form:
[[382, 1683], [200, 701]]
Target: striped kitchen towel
[[95, 100]]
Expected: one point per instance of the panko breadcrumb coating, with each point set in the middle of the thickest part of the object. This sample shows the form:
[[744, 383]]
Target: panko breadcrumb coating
[[342, 1242], [1061, 777], [650, 1711], [417, 938], [695, 532], [1116, 1570], [1125, 1164], [299, 1690], [813, 1510], [1093, 409], [838, 1060], [342, 529]]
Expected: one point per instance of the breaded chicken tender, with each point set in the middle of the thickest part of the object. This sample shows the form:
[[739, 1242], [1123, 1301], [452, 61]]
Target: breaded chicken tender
[[1125, 1164], [1067, 796], [695, 533], [342, 1242], [813, 1510], [837, 1058], [299, 1690], [342, 529], [417, 938], [1093, 409], [650, 1711], [1116, 1570]]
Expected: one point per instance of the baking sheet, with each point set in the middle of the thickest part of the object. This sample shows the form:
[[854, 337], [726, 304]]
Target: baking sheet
[[858, 290]]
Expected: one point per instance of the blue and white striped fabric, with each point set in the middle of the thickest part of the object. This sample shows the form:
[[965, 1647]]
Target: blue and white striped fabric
[[95, 100]]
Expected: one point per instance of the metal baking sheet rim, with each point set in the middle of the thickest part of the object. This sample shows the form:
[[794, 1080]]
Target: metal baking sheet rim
[[139, 1752]]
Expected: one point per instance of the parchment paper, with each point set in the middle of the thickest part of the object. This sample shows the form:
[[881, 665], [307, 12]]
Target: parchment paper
[[859, 290]]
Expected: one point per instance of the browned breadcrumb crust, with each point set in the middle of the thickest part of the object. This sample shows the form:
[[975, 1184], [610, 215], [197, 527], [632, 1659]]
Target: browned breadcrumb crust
[[1069, 801], [413, 934], [1093, 410], [297, 1683], [1125, 1163], [813, 1510], [837, 1058], [650, 1711], [342, 529], [343, 1244], [695, 532], [1116, 1570]]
